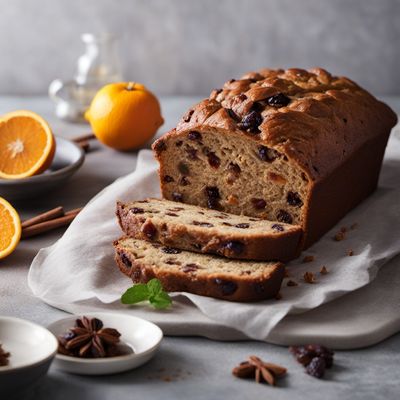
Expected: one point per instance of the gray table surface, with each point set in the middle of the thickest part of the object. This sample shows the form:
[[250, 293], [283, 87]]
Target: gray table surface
[[184, 368]]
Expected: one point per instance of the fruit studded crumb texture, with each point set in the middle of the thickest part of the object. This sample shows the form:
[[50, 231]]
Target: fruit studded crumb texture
[[276, 144]]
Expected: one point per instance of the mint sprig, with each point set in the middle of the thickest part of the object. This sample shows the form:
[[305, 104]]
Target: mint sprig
[[151, 291]]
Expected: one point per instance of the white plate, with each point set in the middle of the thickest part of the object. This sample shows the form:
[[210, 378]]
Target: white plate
[[32, 349], [142, 336]]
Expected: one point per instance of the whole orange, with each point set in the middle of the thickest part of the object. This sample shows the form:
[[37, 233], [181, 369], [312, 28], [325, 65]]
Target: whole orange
[[124, 115]]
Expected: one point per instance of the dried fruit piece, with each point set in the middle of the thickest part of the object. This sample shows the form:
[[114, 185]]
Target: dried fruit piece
[[294, 199], [170, 250], [267, 154], [213, 160], [204, 224], [192, 267], [278, 227], [183, 168], [168, 179], [250, 122], [235, 246], [149, 230], [242, 226], [194, 135], [227, 287], [323, 270], [316, 367], [258, 204], [136, 210], [284, 216], [278, 100], [177, 197]]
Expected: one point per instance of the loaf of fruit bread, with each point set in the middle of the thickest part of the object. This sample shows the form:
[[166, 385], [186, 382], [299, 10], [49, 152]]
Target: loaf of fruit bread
[[203, 230], [206, 275], [295, 146]]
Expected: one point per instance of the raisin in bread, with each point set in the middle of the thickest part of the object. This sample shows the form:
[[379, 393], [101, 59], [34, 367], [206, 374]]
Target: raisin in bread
[[206, 275], [202, 230], [295, 146]]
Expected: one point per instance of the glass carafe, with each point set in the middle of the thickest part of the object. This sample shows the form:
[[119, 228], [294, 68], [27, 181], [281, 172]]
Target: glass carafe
[[98, 66]]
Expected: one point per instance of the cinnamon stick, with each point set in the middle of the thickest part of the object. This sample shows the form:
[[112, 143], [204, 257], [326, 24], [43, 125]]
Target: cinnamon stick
[[46, 216], [84, 138], [84, 145], [46, 226], [75, 211]]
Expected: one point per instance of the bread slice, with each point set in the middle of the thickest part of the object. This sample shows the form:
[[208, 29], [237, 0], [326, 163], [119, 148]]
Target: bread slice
[[206, 275], [203, 230]]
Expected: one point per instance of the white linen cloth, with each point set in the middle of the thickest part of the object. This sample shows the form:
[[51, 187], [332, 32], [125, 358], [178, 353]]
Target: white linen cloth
[[78, 271]]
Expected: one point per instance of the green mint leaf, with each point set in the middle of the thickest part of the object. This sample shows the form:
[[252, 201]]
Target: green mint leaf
[[161, 300], [135, 294], [154, 287]]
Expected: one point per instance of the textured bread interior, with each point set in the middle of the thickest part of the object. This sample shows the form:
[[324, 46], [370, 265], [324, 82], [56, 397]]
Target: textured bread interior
[[177, 214], [168, 260], [231, 173]]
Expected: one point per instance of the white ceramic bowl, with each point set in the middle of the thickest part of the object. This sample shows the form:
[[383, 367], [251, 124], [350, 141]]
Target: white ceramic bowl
[[32, 349], [142, 336]]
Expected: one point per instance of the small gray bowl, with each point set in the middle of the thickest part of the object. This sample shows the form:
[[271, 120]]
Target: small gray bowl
[[67, 160]]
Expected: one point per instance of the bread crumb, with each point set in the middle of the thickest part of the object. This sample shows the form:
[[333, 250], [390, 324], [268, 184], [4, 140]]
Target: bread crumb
[[278, 296], [343, 229], [354, 226], [350, 253], [292, 283], [309, 277], [286, 274], [323, 270], [339, 236], [308, 259]]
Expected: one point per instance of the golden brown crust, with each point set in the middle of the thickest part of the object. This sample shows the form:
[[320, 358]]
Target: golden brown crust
[[246, 289], [326, 120]]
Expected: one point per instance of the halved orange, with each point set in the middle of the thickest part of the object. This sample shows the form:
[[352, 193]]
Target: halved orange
[[10, 232], [27, 144]]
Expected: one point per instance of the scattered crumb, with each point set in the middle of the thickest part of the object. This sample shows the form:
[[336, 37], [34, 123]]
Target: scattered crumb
[[350, 253], [323, 270], [354, 226], [278, 296], [167, 379], [292, 283], [160, 369], [309, 277], [339, 236], [343, 229], [286, 274], [308, 259]]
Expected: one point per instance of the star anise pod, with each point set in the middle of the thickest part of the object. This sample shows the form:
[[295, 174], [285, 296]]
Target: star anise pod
[[260, 370], [89, 339], [4, 356]]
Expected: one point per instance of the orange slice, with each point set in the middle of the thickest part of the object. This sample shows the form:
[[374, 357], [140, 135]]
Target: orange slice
[[27, 145], [10, 232]]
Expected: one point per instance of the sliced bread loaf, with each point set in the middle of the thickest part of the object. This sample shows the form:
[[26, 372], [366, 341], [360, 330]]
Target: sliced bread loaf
[[203, 230], [206, 275]]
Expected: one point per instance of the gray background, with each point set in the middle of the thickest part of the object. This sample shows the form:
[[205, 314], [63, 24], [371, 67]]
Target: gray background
[[191, 46]]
